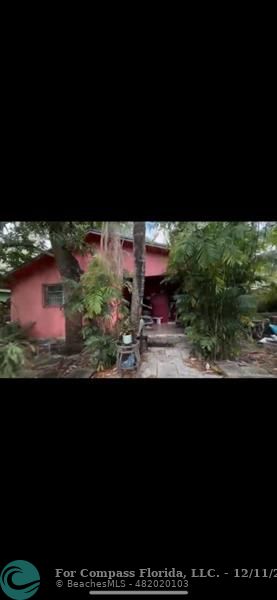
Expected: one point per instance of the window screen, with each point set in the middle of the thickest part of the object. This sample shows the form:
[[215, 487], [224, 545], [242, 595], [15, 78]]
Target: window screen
[[53, 295]]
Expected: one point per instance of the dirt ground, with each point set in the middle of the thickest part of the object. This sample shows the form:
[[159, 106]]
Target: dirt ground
[[58, 366], [264, 356], [252, 354]]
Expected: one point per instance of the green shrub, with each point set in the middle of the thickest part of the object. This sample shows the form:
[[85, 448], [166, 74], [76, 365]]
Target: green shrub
[[214, 266], [12, 359], [103, 349], [99, 295], [12, 331], [267, 300], [14, 350]]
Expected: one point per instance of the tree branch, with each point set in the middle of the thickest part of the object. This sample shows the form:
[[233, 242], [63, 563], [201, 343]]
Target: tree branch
[[26, 245]]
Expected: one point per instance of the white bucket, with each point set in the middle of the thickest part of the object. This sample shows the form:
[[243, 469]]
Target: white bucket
[[127, 339]]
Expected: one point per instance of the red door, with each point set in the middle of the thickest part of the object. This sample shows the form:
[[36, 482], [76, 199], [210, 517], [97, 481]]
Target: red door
[[160, 307]]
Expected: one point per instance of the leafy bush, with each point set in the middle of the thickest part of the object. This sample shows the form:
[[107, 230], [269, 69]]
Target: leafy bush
[[13, 331], [267, 299], [14, 350], [103, 349], [214, 266], [99, 295], [126, 326], [12, 359]]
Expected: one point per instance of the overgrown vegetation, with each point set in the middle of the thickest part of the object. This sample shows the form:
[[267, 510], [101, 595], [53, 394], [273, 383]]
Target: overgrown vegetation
[[22, 241], [267, 299], [215, 267], [214, 264], [99, 298], [102, 348], [12, 359], [15, 350]]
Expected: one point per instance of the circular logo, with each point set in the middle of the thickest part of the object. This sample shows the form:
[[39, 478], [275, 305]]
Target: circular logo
[[20, 579]]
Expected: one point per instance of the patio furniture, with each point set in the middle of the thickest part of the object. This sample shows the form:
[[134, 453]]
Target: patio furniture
[[128, 357], [158, 320]]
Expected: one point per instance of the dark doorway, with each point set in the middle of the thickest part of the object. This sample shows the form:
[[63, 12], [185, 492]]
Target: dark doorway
[[158, 300], [160, 295]]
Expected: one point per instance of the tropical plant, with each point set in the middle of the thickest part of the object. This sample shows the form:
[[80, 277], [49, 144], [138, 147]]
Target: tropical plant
[[15, 350], [214, 267], [22, 241], [99, 295], [267, 298], [126, 326], [103, 350], [266, 290], [12, 359], [14, 332]]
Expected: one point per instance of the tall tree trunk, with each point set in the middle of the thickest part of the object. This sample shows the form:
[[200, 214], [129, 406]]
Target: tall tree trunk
[[69, 269], [104, 241], [139, 274]]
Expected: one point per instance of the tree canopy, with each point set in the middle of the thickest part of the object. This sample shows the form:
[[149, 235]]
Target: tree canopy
[[216, 266]]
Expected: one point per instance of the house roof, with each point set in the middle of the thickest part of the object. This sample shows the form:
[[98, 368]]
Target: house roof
[[131, 239], [42, 255], [28, 263]]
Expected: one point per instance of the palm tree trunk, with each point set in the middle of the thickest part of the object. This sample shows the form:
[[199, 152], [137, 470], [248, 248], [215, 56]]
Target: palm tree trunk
[[139, 274], [105, 235]]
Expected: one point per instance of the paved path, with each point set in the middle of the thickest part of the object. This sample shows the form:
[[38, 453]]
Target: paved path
[[236, 370], [168, 363]]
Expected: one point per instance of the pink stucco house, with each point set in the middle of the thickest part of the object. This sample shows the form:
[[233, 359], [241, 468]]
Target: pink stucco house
[[37, 295]]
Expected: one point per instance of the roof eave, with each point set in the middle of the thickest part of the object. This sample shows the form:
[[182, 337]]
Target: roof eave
[[128, 239], [30, 262]]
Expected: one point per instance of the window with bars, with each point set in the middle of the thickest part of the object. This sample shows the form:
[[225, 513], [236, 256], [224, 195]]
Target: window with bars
[[53, 295]]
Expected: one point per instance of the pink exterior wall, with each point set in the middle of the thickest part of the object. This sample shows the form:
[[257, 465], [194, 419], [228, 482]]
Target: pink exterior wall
[[156, 262], [27, 290], [27, 302]]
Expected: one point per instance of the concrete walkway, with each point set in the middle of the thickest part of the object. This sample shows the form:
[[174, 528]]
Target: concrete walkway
[[236, 370], [168, 363]]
